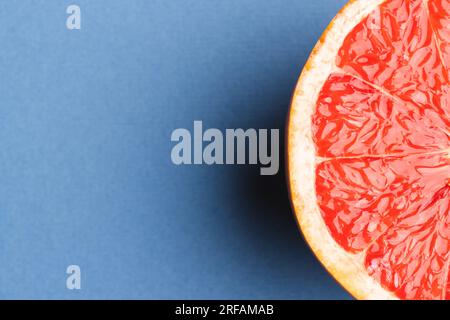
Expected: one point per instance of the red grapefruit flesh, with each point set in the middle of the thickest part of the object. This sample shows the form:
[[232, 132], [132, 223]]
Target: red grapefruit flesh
[[369, 149]]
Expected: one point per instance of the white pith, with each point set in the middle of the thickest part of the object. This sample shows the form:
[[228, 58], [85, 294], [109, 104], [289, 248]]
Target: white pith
[[347, 268]]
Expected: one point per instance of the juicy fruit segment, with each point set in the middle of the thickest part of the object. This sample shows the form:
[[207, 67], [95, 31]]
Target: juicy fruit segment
[[363, 197], [395, 48], [439, 12], [355, 119], [381, 129], [412, 257]]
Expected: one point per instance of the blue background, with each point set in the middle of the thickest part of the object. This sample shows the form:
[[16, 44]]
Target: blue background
[[85, 169]]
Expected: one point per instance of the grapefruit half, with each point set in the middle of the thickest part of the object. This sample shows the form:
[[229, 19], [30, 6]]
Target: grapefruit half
[[368, 149]]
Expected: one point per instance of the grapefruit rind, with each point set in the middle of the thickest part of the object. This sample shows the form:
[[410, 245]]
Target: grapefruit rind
[[347, 268]]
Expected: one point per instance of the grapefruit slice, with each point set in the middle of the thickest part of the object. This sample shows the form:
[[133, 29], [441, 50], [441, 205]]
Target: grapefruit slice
[[369, 149]]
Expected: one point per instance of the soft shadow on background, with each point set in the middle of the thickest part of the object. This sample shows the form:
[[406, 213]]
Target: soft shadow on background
[[266, 216]]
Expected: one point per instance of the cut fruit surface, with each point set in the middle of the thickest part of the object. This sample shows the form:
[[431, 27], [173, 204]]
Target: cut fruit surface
[[369, 149]]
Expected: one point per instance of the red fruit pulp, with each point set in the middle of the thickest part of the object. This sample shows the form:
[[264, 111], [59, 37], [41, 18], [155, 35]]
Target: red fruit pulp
[[381, 129]]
